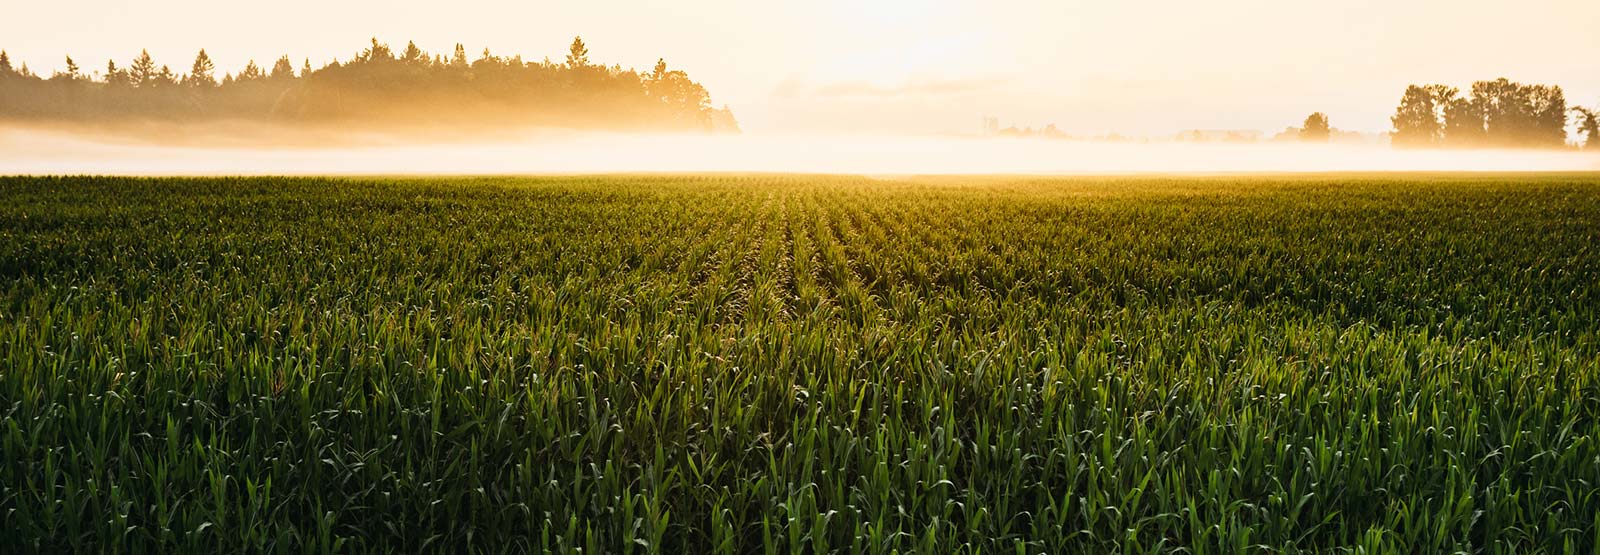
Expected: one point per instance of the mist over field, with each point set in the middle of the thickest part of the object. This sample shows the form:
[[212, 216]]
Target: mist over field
[[253, 150]]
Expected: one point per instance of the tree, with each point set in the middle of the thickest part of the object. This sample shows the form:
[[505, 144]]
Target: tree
[[685, 101], [660, 71], [143, 70], [73, 70], [251, 72], [1507, 113], [1415, 121], [414, 55], [379, 52], [1515, 114], [5, 64], [1547, 116], [1315, 129], [202, 73], [577, 54], [1463, 122], [116, 77], [283, 69], [165, 77], [1499, 113], [723, 120], [1588, 126], [496, 89]]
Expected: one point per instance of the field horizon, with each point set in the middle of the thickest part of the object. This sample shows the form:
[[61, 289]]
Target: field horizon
[[257, 150]]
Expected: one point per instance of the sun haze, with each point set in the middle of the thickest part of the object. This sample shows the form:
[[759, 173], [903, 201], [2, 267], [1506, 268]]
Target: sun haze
[[1091, 68]]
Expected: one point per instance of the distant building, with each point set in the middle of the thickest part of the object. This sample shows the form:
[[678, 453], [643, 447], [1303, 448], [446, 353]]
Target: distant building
[[1220, 136], [991, 125]]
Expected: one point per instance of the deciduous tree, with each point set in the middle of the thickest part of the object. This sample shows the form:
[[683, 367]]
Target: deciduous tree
[[1415, 121], [1315, 129]]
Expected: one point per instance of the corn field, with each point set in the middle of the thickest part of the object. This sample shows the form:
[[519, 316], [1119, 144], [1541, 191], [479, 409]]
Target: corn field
[[783, 364]]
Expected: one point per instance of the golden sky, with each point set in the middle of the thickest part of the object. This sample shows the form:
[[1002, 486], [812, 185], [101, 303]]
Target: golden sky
[[932, 66]]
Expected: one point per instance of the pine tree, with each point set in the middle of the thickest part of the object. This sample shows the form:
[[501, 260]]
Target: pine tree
[[506, 87], [283, 69], [251, 72], [413, 54], [577, 54], [117, 77], [202, 73], [378, 52], [143, 70]]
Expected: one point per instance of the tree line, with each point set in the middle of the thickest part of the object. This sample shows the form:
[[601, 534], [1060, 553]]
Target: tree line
[[377, 86], [1498, 113]]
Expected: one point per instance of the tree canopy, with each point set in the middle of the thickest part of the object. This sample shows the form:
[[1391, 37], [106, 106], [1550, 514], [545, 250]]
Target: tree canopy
[[1315, 129], [1588, 126], [377, 86], [1498, 113]]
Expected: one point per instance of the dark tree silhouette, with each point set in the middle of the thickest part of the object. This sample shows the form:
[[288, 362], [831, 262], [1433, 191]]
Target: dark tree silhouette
[[577, 54], [201, 74], [1588, 126], [413, 55], [1462, 117], [143, 69], [378, 88], [1415, 124], [1498, 113], [72, 69], [1315, 129], [283, 69], [115, 77], [252, 72]]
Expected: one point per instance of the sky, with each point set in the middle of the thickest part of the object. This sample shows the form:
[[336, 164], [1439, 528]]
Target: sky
[[1137, 68]]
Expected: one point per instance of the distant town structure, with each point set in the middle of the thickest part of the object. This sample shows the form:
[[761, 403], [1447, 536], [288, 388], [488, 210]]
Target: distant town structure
[[1220, 136], [991, 128]]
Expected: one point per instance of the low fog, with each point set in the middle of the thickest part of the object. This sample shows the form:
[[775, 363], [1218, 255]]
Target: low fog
[[222, 150]]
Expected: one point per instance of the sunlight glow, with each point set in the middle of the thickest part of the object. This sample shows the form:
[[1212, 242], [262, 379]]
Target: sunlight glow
[[565, 153]]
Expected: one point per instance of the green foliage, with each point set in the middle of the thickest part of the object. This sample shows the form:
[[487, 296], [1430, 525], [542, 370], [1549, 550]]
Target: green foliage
[[785, 364]]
